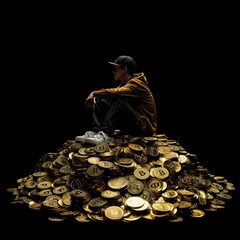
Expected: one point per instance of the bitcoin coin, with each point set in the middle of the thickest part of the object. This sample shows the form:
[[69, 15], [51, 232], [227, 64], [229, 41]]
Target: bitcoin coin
[[95, 171], [160, 172], [60, 190], [94, 160], [136, 187], [110, 194], [141, 173], [155, 185], [105, 164], [114, 213], [101, 147], [196, 213], [134, 202], [125, 161], [140, 158], [161, 207], [117, 183], [146, 206], [224, 196], [135, 147], [97, 202], [169, 194], [163, 149], [44, 185]]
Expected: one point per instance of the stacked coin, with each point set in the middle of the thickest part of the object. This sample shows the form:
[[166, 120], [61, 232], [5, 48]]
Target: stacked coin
[[131, 178], [79, 196]]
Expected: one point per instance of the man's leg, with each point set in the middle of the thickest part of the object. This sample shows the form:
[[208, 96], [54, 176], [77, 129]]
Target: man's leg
[[121, 115], [100, 110]]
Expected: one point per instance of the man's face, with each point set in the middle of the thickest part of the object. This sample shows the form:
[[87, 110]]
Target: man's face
[[118, 72]]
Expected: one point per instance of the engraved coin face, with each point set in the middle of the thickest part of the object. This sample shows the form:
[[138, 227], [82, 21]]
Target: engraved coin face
[[44, 185], [134, 202], [160, 172], [136, 187], [135, 147], [95, 171], [155, 185], [197, 213], [60, 190], [117, 183], [105, 164], [101, 147], [110, 194], [97, 202], [141, 173], [161, 207], [114, 213]]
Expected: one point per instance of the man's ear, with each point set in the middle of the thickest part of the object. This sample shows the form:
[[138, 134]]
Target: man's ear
[[125, 69]]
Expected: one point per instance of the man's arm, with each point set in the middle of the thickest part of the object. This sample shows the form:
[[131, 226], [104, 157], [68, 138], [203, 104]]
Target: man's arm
[[129, 90]]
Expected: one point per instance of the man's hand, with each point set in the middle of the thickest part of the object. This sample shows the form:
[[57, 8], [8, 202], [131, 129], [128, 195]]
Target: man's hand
[[90, 101]]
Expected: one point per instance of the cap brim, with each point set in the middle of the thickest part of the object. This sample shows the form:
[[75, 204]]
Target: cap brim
[[114, 64]]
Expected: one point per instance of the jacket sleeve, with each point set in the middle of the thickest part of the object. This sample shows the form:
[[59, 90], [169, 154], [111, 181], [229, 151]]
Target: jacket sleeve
[[129, 90]]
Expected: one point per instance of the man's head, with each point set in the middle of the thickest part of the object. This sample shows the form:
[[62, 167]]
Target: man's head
[[123, 68]]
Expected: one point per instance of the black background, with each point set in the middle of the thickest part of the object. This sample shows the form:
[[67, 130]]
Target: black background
[[51, 63]]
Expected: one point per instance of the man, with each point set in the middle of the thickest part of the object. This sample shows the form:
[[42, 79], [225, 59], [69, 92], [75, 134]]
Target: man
[[129, 107]]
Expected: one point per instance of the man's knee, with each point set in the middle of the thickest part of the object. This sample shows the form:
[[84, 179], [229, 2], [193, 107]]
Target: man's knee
[[101, 103]]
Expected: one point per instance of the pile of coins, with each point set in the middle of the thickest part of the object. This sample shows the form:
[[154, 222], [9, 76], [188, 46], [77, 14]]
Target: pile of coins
[[131, 178]]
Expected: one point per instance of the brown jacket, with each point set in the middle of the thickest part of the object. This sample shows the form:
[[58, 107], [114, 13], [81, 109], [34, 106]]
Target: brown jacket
[[140, 98]]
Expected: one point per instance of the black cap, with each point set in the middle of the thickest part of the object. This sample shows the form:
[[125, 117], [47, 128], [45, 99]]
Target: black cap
[[124, 61]]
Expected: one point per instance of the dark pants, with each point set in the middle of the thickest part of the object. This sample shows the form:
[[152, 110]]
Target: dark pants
[[117, 113]]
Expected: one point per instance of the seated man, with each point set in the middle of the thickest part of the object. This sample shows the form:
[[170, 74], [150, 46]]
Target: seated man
[[129, 107]]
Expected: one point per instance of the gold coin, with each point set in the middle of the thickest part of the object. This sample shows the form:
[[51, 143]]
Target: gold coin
[[117, 183], [101, 147], [178, 166], [145, 207], [136, 187], [105, 164], [150, 139], [94, 160], [164, 149], [60, 189], [114, 213], [224, 196], [141, 173], [161, 207], [56, 219], [149, 216], [132, 217], [185, 192], [125, 161], [67, 199], [82, 218], [184, 204], [50, 204], [160, 172], [134, 202], [177, 219], [135, 147], [40, 174], [44, 185], [217, 186], [45, 193], [182, 159], [31, 184], [197, 213], [110, 194], [155, 185], [170, 194]]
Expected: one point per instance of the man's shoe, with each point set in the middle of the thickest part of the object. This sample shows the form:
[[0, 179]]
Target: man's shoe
[[88, 134], [99, 137]]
